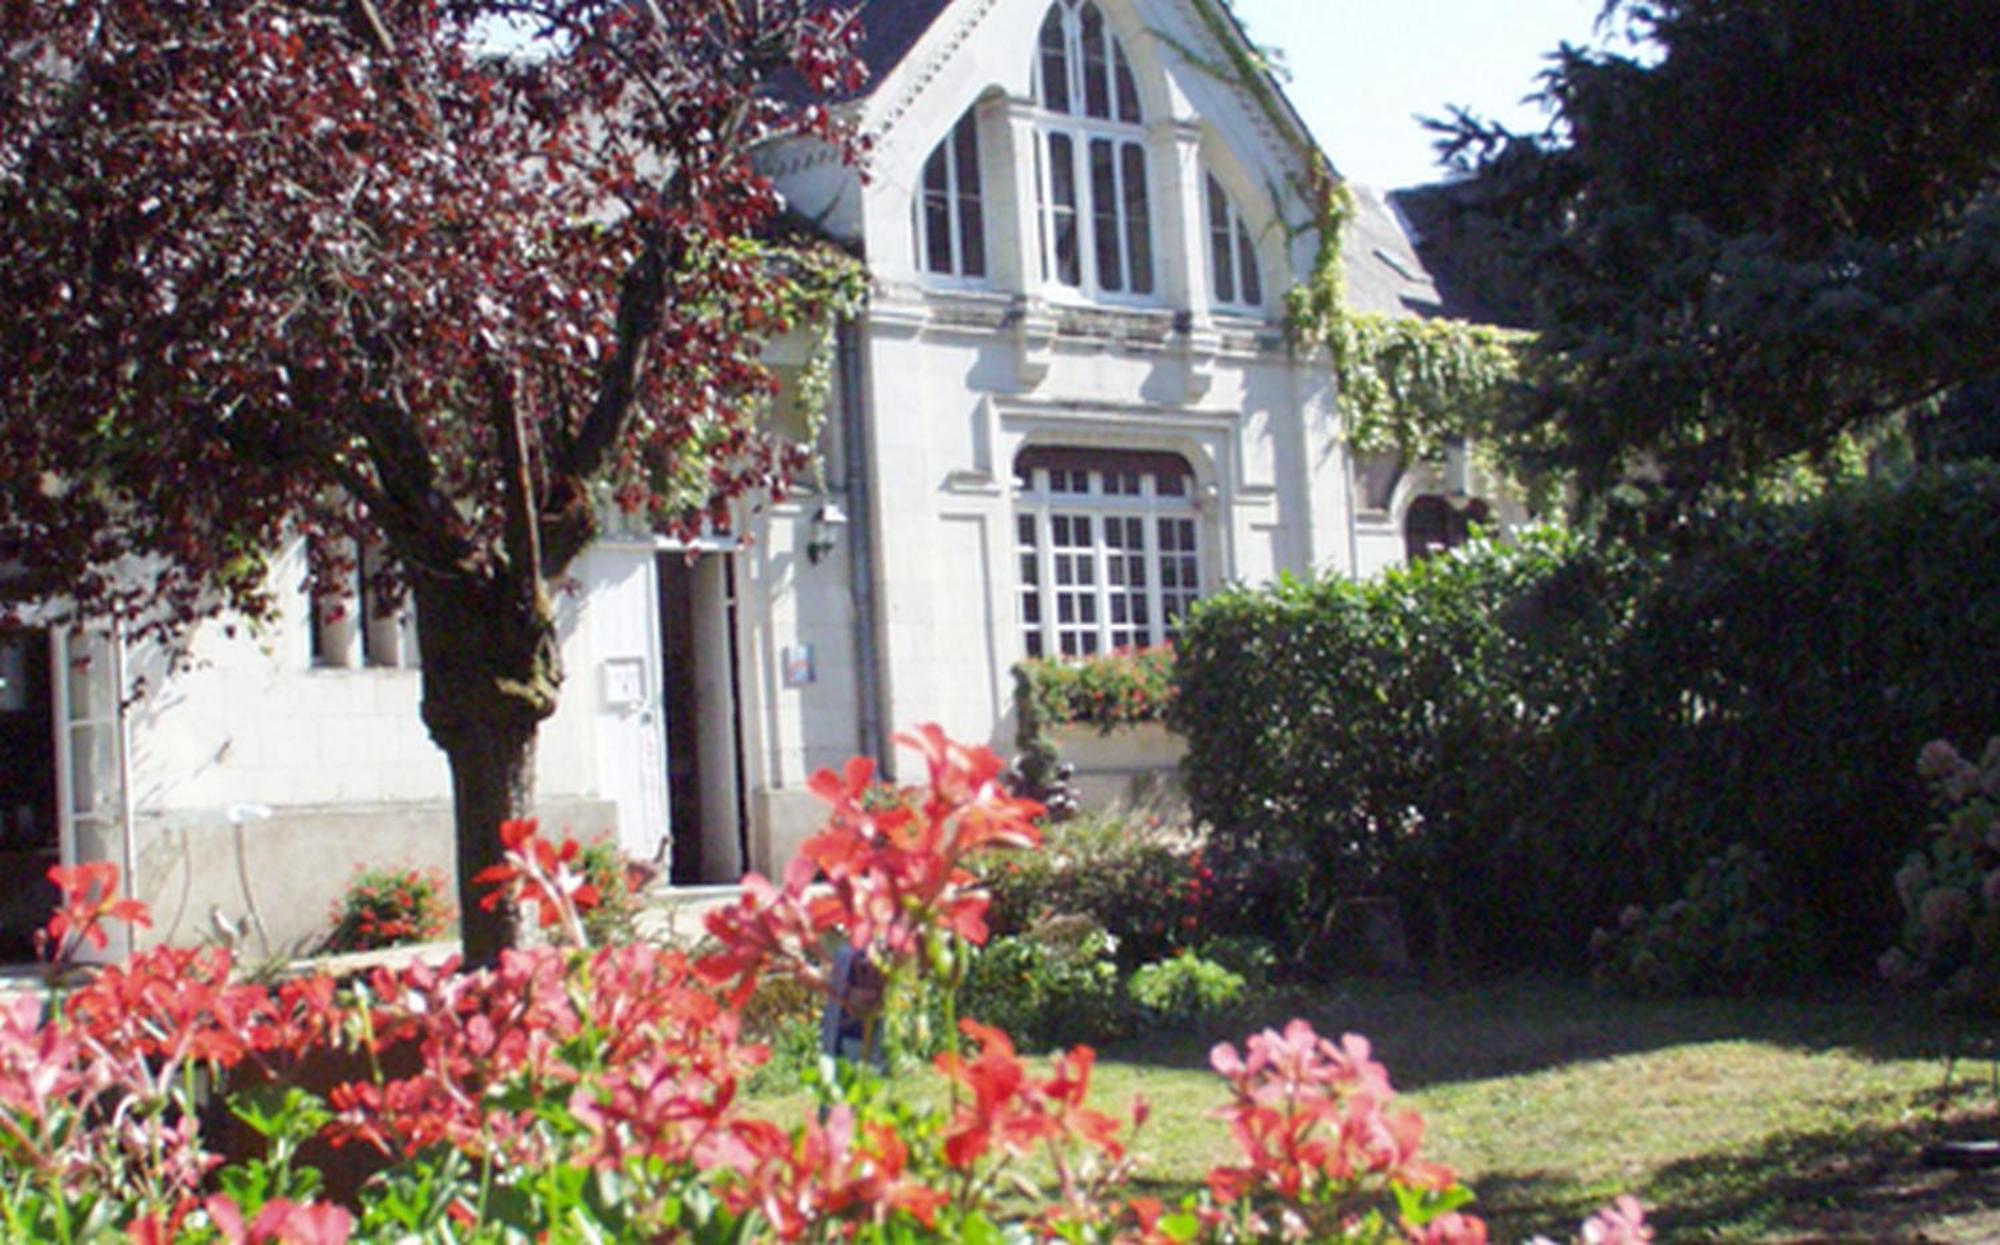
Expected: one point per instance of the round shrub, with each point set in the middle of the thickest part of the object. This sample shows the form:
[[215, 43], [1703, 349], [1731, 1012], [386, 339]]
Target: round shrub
[[1730, 933], [1186, 987], [1145, 883], [390, 908], [1054, 985], [1950, 888]]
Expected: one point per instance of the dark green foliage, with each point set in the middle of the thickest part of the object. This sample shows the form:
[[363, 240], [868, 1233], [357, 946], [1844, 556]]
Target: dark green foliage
[[1730, 933], [1950, 888], [1140, 881], [1772, 224], [1348, 739], [1519, 743], [1053, 985]]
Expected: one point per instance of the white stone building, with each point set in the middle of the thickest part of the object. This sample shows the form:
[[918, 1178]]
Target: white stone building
[[1069, 410]]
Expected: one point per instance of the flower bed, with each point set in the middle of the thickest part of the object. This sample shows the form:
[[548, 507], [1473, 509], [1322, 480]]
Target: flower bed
[[578, 1094]]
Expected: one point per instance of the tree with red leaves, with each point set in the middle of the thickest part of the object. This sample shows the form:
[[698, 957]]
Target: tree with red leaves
[[337, 268]]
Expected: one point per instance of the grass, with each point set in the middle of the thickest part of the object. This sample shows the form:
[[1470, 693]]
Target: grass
[[1734, 1121]]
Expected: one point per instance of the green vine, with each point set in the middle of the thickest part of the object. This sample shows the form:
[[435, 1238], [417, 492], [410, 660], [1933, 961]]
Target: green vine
[[826, 285], [1404, 384]]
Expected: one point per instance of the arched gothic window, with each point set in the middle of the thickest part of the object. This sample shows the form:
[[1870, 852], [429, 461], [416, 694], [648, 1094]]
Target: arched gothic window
[[1090, 157], [950, 217], [1232, 255]]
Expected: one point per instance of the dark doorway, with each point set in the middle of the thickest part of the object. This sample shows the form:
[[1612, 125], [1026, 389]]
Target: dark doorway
[[677, 684], [1433, 525], [30, 827], [704, 726]]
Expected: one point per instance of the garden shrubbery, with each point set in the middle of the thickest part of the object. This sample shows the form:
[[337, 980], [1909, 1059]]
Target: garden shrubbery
[[1144, 882], [390, 908], [1520, 742], [1732, 932], [1949, 888], [572, 1095]]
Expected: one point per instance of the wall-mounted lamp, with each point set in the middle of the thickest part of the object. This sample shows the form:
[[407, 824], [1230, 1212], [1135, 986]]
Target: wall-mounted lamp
[[826, 524]]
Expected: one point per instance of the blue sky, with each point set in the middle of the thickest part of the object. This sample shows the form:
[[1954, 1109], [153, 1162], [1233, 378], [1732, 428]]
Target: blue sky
[[1362, 70]]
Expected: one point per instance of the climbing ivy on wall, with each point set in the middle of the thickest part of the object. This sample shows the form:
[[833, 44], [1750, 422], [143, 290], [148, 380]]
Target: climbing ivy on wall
[[1403, 383]]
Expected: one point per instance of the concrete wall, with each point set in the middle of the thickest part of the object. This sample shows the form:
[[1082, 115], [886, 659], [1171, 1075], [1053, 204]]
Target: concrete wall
[[340, 758], [1135, 768], [291, 870]]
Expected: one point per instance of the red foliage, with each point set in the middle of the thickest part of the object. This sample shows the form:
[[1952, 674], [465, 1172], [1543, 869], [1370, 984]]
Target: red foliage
[[260, 255], [89, 898], [886, 872]]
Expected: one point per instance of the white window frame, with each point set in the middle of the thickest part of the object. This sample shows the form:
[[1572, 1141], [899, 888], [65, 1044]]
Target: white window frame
[[1073, 598], [1236, 267], [1132, 216], [957, 173]]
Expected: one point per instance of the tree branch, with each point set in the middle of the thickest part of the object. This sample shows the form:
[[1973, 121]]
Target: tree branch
[[522, 535]]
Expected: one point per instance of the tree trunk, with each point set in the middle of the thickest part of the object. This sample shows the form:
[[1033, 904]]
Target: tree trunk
[[492, 668]]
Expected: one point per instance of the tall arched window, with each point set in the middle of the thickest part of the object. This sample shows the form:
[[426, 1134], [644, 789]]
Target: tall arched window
[[1090, 157], [1232, 255], [950, 219]]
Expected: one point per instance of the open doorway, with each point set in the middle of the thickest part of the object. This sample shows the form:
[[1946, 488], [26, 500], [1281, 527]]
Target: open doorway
[[30, 826], [704, 722]]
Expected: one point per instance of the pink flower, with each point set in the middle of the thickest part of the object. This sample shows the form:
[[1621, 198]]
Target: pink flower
[[1621, 1223]]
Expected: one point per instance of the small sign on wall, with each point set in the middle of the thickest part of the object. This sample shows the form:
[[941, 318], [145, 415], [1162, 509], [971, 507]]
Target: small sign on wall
[[624, 682], [798, 661]]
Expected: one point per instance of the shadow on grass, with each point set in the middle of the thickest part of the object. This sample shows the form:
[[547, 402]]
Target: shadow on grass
[[1432, 1036], [1830, 1187], [1865, 1184]]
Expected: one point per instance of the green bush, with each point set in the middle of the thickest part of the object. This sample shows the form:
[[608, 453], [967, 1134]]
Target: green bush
[[1140, 880], [1350, 739], [1053, 985], [1186, 987], [1731, 933], [1557, 730], [1950, 888], [390, 908], [1250, 957]]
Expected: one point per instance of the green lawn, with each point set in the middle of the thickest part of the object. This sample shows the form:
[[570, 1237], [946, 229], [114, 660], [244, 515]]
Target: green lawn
[[1733, 1121]]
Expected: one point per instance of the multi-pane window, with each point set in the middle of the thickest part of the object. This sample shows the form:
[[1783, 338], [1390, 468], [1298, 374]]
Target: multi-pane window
[[1090, 157], [1232, 256], [950, 225], [1107, 548], [352, 624]]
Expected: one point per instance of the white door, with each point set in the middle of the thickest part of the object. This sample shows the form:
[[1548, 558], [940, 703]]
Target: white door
[[89, 678], [620, 598]]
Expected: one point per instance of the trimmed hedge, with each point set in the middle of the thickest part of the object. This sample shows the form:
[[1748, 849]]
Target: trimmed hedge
[[1518, 742]]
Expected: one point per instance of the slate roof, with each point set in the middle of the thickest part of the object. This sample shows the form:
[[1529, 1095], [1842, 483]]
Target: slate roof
[[890, 28], [1384, 273]]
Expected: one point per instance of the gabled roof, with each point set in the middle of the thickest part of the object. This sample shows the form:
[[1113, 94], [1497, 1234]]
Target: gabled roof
[[890, 28], [1384, 271]]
